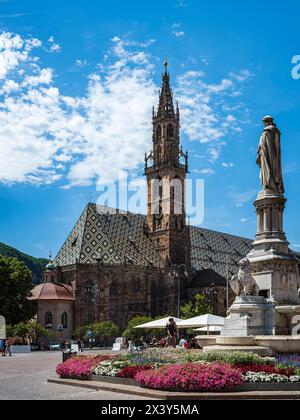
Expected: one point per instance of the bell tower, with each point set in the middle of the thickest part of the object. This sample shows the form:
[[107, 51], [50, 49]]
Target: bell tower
[[166, 168]]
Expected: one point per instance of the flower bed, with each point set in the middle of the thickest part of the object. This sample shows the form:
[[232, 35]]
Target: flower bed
[[232, 358], [291, 361], [130, 372], [80, 367], [110, 367], [267, 369], [191, 377], [180, 370], [260, 377]]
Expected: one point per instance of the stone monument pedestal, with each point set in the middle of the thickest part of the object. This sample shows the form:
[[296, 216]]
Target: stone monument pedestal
[[268, 284], [247, 317]]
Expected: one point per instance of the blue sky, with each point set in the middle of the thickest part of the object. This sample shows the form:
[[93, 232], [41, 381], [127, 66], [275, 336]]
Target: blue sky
[[77, 82]]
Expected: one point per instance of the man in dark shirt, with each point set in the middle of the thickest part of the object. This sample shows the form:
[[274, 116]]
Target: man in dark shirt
[[172, 330]]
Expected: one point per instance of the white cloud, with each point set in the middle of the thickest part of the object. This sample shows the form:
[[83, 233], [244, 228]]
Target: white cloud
[[205, 171], [227, 165], [241, 198], [46, 136], [203, 118], [243, 220], [54, 46], [176, 30], [178, 34], [81, 63], [181, 3]]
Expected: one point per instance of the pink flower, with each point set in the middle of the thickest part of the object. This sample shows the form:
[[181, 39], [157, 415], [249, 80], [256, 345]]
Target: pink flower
[[191, 377], [80, 367]]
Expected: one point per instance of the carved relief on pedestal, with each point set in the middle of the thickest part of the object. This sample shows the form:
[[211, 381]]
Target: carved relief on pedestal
[[267, 267]]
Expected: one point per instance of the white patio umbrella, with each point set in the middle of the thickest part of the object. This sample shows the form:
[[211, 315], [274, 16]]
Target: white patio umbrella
[[206, 321], [158, 324], [214, 329]]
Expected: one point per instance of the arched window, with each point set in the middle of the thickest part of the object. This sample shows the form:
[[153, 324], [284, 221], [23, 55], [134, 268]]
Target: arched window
[[113, 303], [64, 320], [136, 286], [170, 132], [158, 133], [48, 320], [89, 303]]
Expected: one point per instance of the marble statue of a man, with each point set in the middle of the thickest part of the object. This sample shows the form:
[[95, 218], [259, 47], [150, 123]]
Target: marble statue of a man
[[269, 158]]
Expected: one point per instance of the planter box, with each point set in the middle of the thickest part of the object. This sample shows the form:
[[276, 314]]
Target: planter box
[[269, 387], [20, 349], [259, 387], [114, 381]]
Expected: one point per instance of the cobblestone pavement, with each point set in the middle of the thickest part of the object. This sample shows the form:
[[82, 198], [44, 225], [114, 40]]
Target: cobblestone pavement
[[24, 377]]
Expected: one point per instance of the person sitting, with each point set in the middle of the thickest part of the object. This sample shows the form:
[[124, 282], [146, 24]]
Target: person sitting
[[193, 344], [126, 343], [154, 342], [143, 343], [162, 342], [183, 343]]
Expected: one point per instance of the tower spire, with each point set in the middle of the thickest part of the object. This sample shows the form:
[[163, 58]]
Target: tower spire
[[166, 106]]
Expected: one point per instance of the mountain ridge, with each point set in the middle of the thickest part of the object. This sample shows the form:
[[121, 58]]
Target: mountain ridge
[[35, 265]]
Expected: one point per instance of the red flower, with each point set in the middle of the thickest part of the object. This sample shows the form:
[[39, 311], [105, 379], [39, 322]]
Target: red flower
[[191, 377], [269, 369], [131, 371]]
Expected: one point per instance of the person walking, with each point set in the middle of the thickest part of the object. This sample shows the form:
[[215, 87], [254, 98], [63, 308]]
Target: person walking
[[2, 346], [8, 348], [172, 331], [80, 346]]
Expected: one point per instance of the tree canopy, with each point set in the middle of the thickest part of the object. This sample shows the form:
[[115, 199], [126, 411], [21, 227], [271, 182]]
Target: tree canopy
[[16, 286], [105, 329], [131, 332], [196, 307]]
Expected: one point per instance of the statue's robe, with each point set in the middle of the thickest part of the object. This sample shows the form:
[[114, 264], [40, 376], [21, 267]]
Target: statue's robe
[[269, 160]]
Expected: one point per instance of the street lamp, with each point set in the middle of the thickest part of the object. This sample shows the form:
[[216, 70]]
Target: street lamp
[[177, 271]]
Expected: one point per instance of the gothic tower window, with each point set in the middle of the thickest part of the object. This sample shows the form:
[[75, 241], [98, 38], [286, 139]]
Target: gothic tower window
[[158, 133], [170, 132], [158, 219]]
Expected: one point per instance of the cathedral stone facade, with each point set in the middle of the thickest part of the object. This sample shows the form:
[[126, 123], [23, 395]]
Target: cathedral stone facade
[[121, 264]]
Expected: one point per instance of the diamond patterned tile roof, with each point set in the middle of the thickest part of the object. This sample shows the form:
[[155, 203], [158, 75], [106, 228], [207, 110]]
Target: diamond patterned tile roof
[[113, 236], [217, 251], [118, 237]]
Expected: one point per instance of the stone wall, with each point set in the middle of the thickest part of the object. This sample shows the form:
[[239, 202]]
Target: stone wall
[[57, 308]]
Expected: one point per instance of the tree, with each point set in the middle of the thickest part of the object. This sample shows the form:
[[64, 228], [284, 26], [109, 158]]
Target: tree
[[28, 331], [15, 285], [106, 329], [81, 332], [131, 332], [35, 331], [21, 330], [196, 307], [9, 331]]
